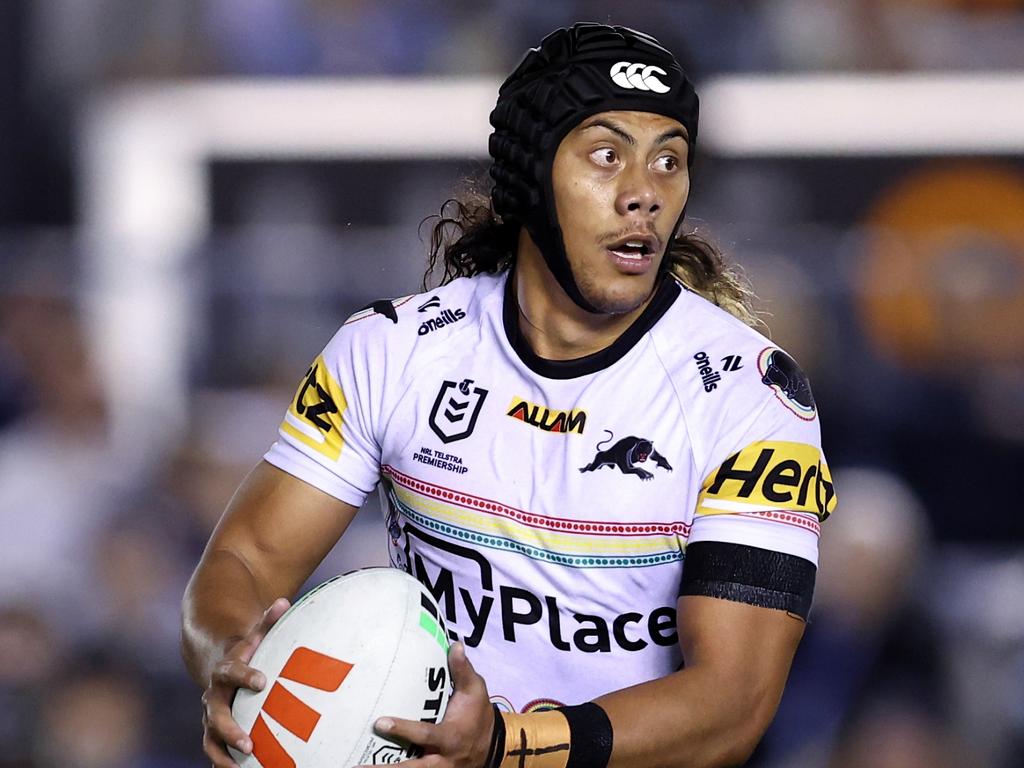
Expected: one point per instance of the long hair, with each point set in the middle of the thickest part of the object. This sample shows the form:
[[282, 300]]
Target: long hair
[[468, 238]]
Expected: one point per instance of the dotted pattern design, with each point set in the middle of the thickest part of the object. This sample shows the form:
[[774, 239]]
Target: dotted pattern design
[[517, 536], [789, 518]]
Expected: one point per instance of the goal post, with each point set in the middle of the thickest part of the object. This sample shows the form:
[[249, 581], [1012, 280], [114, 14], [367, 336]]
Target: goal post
[[145, 153]]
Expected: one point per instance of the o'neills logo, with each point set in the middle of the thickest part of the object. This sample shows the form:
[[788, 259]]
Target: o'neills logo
[[446, 317], [548, 419], [708, 375]]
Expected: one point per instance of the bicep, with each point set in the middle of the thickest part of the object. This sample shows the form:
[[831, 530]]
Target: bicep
[[746, 648], [280, 527], [741, 615]]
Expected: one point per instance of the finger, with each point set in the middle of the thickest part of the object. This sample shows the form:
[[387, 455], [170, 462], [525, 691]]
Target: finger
[[414, 731], [234, 673], [464, 677], [222, 725], [247, 645], [215, 750], [226, 731], [274, 611]]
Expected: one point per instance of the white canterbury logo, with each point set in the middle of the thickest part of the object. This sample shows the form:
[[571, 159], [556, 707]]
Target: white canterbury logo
[[639, 76]]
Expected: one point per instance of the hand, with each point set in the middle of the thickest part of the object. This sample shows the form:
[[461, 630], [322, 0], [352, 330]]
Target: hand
[[463, 737], [231, 673]]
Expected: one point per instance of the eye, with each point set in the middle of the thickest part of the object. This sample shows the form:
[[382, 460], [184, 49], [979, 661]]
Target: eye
[[605, 157], [666, 163]]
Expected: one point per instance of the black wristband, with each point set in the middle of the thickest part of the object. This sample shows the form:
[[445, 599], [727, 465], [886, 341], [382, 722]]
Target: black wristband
[[590, 733], [497, 749]]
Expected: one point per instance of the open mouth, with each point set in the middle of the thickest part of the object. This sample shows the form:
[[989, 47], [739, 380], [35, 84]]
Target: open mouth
[[635, 247]]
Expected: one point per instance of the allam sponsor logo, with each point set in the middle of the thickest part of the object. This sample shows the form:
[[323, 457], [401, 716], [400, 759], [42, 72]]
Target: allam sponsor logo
[[547, 419], [444, 317]]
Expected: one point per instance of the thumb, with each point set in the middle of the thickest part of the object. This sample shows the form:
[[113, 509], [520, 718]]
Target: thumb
[[247, 646], [464, 676]]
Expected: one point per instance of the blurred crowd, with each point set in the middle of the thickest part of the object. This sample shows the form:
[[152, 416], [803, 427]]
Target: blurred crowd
[[900, 290]]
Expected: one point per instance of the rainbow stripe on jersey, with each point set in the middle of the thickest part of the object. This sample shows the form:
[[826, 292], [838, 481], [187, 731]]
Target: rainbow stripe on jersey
[[484, 522]]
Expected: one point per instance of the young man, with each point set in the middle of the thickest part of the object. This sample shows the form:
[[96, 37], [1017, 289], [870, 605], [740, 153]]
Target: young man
[[554, 434]]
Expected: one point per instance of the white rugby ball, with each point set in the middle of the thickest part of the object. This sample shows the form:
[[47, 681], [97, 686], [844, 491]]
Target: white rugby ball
[[357, 647]]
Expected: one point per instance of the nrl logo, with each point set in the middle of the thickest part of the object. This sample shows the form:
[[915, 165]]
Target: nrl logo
[[456, 409]]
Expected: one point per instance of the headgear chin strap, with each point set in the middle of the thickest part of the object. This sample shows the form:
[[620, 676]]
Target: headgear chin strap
[[573, 74]]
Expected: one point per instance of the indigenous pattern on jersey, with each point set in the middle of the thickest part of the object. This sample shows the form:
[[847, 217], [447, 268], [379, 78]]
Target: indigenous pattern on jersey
[[548, 505]]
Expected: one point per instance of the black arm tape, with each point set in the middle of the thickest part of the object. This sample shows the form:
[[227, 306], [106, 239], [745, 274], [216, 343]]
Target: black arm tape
[[751, 575], [590, 733]]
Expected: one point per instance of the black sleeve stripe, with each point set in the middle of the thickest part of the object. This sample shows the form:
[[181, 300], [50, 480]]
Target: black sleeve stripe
[[750, 575]]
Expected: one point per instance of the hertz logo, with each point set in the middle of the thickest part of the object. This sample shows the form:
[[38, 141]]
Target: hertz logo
[[307, 667], [547, 419], [315, 414], [770, 475]]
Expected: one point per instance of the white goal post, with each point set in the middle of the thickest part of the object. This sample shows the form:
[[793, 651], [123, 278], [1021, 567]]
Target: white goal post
[[145, 153]]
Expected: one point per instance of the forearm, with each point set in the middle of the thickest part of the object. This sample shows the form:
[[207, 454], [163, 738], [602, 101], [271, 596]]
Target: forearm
[[222, 602], [274, 532], [713, 712], [697, 717]]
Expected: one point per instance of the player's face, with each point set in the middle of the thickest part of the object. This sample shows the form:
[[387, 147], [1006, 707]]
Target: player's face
[[620, 182]]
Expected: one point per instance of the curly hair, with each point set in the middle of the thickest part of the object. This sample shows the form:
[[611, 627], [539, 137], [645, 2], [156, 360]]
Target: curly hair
[[468, 238]]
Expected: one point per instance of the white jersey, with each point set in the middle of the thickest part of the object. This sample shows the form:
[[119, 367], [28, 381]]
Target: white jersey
[[548, 505]]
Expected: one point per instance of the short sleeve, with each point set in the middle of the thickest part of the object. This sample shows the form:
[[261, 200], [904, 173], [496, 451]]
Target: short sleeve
[[766, 483], [327, 436]]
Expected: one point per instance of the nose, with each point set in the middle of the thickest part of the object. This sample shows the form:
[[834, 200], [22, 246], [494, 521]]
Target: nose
[[638, 195]]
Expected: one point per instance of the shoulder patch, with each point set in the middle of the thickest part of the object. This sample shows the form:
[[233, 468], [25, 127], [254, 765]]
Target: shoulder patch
[[780, 372], [385, 307]]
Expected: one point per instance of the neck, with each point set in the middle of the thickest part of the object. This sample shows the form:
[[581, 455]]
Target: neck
[[555, 327]]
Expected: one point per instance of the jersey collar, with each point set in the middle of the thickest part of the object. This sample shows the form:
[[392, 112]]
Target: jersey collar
[[665, 294]]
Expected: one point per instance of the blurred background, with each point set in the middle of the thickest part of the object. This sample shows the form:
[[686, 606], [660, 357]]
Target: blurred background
[[194, 194]]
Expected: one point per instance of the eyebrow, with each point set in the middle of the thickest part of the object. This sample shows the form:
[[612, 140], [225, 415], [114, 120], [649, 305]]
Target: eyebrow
[[674, 133]]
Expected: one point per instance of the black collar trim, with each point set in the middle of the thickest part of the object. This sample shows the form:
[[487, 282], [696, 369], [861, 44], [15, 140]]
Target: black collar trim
[[664, 296]]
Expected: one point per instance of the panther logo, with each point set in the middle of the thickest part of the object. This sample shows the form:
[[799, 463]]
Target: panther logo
[[780, 372], [626, 454]]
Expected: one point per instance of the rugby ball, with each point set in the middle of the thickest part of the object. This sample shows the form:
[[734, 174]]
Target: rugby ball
[[357, 647]]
